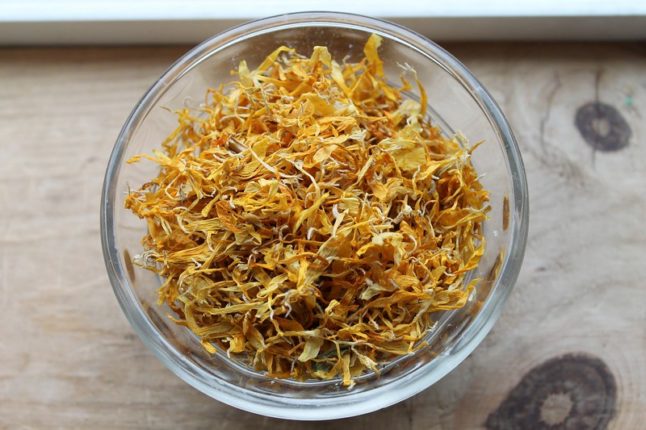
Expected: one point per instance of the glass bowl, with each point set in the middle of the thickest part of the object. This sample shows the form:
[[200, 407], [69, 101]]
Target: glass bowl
[[458, 102]]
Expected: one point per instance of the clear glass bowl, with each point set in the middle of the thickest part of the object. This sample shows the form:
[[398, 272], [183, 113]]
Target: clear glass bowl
[[458, 102]]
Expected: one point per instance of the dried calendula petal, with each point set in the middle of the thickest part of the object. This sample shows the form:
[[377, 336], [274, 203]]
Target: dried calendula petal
[[311, 349], [310, 219]]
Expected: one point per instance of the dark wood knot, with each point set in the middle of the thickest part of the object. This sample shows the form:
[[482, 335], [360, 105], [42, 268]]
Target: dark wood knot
[[602, 126], [574, 391]]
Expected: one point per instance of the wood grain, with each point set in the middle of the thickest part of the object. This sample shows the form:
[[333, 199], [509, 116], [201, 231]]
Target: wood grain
[[68, 358]]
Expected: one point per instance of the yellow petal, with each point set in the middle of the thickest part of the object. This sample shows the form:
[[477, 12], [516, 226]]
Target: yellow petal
[[371, 51], [311, 349]]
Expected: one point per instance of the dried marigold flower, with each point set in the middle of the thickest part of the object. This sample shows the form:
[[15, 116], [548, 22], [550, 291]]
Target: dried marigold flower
[[310, 219]]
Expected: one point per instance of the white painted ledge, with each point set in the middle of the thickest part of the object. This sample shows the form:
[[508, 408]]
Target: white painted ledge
[[42, 22]]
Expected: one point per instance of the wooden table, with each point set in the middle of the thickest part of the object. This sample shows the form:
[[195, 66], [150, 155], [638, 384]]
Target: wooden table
[[569, 347]]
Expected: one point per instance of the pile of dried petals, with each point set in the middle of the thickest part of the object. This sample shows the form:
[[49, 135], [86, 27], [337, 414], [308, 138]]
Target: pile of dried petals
[[310, 218]]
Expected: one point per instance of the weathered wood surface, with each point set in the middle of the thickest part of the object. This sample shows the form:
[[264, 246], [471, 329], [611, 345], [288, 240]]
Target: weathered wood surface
[[569, 347]]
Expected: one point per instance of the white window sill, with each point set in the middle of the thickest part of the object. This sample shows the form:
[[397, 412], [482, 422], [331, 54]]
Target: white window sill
[[38, 22]]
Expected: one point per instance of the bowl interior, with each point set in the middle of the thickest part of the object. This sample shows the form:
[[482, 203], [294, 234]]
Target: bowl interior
[[457, 104]]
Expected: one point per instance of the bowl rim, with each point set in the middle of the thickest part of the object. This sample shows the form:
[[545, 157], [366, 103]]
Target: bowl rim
[[360, 402]]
